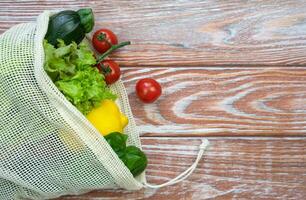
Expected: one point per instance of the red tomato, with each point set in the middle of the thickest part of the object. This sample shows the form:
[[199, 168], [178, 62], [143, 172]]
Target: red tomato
[[148, 90], [103, 39], [110, 70]]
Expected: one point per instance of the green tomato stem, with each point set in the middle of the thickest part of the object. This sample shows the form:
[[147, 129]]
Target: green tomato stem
[[113, 48]]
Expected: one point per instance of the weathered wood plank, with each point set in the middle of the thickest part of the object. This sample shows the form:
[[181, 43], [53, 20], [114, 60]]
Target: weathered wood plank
[[222, 102], [233, 168], [190, 32]]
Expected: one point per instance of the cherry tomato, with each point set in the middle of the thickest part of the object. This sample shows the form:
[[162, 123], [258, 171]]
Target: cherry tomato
[[103, 39], [148, 90], [111, 71]]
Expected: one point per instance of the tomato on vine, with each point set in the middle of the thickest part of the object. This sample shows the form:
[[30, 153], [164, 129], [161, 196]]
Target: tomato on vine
[[103, 40], [111, 71]]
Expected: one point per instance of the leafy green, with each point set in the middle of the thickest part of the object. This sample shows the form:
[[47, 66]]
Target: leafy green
[[57, 63], [133, 158], [71, 68], [117, 141]]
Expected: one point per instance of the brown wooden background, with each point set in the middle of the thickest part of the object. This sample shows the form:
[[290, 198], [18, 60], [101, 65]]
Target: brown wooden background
[[233, 71]]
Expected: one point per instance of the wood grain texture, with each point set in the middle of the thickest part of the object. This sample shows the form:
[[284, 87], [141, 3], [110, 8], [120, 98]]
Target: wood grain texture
[[228, 68], [182, 33], [222, 101], [240, 168]]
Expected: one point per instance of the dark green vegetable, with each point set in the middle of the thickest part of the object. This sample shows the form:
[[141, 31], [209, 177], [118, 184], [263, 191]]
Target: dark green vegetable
[[87, 19], [133, 158], [70, 26], [117, 141]]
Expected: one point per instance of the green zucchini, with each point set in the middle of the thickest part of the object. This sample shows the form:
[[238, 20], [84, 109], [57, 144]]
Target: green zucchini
[[70, 26]]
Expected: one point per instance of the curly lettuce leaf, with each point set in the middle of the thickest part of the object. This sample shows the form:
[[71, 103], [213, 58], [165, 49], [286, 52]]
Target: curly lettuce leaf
[[71, 68], [84, 56], [86, 89], [57, 63]]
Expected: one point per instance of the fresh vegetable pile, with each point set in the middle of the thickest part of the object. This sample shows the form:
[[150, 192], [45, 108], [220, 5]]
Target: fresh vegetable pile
[[62, 131], [71, 68], [84, 80]]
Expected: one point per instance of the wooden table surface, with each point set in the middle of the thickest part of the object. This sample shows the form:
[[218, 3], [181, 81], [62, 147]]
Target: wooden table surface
[[231, 71]]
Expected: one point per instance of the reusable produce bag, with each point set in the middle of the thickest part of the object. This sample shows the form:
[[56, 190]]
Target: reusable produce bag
[[47, 147]]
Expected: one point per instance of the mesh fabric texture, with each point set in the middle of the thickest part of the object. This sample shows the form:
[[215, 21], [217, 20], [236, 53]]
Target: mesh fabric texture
[[47, 147]]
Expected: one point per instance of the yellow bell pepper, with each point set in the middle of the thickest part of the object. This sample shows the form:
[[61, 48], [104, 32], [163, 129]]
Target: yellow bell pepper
[[107, 118]]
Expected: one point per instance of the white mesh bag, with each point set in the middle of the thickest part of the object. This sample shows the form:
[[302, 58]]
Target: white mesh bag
[[35, 162]]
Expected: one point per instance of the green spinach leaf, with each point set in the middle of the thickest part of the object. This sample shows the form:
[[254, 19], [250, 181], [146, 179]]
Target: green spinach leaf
[[118, 142], [133, 158]]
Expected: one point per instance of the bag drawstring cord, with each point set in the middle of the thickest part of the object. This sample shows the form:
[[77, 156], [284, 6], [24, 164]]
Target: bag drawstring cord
[[187, 172]]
